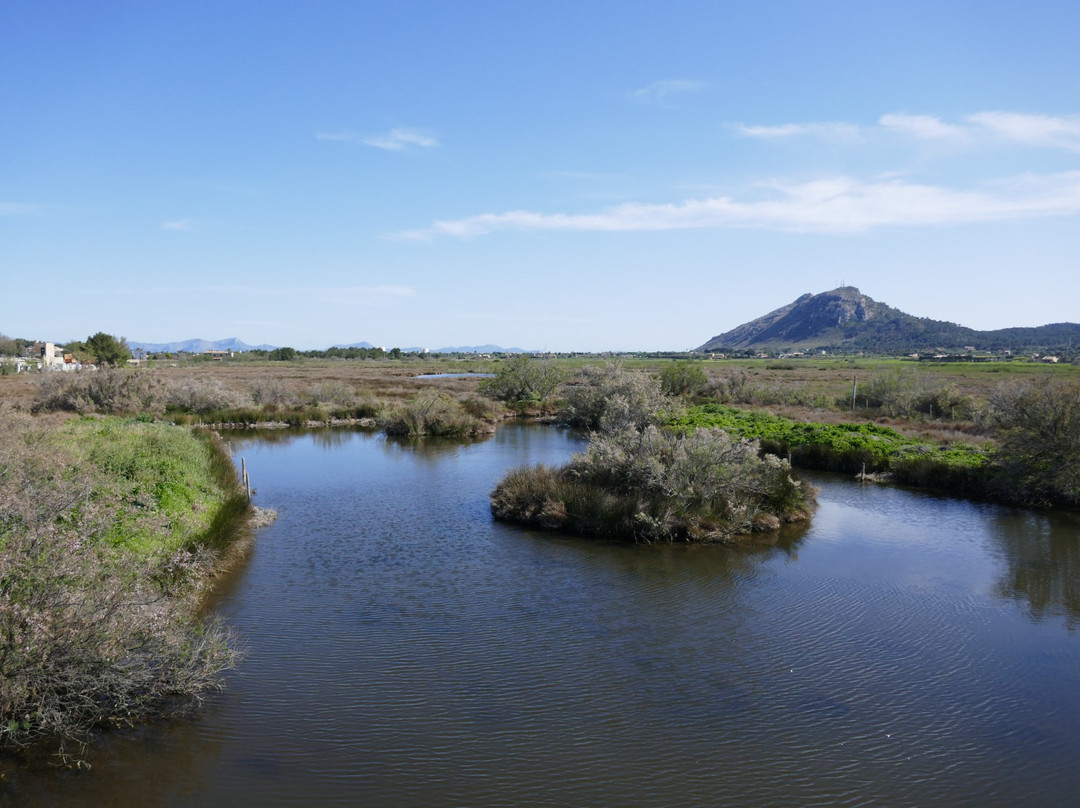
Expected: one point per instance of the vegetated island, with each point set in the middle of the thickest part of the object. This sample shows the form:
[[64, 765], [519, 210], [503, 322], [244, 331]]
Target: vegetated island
[[654, 484], [638, 480]]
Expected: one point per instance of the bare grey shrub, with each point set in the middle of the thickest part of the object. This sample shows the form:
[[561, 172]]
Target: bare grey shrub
[[104, 390], [192, 394], [611, 398], [274, 392], [333, 392]]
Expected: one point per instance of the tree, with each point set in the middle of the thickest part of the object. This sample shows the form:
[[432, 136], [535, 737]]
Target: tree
[[282, 354], [1037, 425], [107, 349]]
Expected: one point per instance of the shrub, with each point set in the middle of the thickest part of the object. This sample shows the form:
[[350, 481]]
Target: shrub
[[611, 398], [522, 381], [273, 392], [334, 392], [905, 393], [203, 396], [682, 378], [105, 390]]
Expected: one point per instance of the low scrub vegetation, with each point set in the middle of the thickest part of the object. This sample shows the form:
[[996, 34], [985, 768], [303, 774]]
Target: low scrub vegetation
[[653, 484], [107, 535]]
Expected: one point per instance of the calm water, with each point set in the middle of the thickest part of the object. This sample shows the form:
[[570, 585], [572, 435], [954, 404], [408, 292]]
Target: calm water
[[404, 650]]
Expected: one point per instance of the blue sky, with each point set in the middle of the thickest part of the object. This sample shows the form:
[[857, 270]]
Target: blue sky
[[549, 175]]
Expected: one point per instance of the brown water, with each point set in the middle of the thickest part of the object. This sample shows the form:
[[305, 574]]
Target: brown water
[[405, 650]]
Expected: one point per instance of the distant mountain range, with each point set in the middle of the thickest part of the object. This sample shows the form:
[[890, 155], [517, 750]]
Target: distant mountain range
[[459, 349], [845, 320], [477, 349], [197, 346]]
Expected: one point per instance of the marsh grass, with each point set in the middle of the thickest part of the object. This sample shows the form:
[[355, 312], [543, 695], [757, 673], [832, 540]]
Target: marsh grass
[[432, 414]]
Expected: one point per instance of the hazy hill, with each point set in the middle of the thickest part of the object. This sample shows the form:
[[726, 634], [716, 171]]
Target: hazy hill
[[845, 320], [197, 346]]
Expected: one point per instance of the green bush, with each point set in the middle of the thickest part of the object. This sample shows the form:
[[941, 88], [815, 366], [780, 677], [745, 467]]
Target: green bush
[[522, 381], [682, 378]]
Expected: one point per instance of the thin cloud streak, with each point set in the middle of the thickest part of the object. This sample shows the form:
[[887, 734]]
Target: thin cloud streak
[[840, 205], [1058, 132], [398, 139], [394, 140], [658, 92], [925, 127], [1038, 130], [179, 225], [834, 131]]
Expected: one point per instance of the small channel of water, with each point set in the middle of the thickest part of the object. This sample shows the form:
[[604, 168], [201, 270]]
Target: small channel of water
[[405, 650]]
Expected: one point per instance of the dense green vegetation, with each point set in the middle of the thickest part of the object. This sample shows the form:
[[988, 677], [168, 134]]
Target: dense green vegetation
[[109, 530], [835, 447]]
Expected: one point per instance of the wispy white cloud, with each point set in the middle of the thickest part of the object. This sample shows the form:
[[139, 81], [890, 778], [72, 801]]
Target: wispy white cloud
[[1048, 131], [184, 225], [1061, 132], [925, 127], [833, 131], [835, 205], [394, 140], [658, 92], [398, 139]]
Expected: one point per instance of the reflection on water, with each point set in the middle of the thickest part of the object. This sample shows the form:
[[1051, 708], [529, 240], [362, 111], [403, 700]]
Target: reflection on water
[[407, 650], [1042, 562]]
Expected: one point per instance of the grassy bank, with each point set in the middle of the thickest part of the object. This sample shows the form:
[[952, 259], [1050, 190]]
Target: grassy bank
[[109, 530]]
